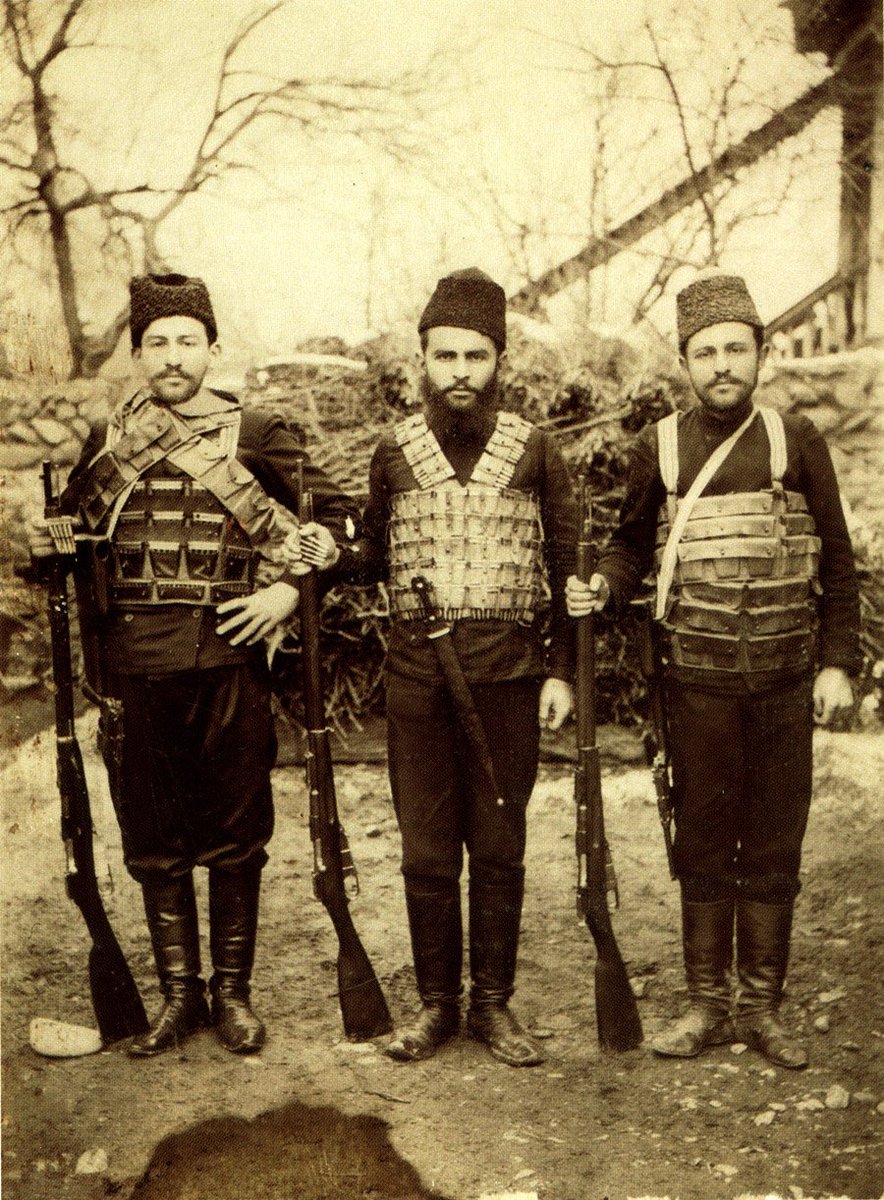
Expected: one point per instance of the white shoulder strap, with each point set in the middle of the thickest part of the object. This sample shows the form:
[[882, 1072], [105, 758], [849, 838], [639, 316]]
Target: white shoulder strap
[[776, 435], [685, 508], [667, 450]]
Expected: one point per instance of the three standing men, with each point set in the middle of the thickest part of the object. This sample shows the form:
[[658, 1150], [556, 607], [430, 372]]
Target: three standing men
[[738, 510], [479, 502], [177, 489]]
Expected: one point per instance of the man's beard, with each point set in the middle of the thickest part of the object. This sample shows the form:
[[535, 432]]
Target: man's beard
[[473, 424]]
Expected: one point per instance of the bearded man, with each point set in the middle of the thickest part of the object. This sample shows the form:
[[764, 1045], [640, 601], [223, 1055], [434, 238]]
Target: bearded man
[[478, 501], [195, 571], [738, 511]]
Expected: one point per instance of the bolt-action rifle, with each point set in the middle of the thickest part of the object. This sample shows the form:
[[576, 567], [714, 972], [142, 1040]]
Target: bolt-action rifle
[[656, 739], [363, 1007], [115, 998], [617, 1019]]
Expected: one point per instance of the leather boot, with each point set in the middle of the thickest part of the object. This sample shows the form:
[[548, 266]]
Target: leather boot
[[170, 907], [763, 935], [495, 917], [708, 936], [233, 928], [435, 923]]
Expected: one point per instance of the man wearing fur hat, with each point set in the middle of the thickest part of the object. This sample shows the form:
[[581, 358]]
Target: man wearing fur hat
[[179, 487], [738, 511], [479, 502]]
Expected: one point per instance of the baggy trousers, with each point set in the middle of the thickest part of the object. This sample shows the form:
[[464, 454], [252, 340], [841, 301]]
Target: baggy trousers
[[194, 777], [438, 805], [742, 779]]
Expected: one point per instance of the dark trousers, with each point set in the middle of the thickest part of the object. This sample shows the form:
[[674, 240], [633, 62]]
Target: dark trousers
[[742, 778], [438, 806], [194, 777]]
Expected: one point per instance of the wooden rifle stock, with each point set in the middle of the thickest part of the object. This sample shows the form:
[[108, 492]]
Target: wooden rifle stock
[[119, 1010], [617, 1018], [363, 1008]]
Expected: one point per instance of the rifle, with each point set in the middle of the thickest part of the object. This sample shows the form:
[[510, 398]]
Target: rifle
[[115, 998], [363, 1007], [656, 740], [617, 1019]]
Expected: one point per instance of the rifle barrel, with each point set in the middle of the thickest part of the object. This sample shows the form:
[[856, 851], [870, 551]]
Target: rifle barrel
[[617, 1019]]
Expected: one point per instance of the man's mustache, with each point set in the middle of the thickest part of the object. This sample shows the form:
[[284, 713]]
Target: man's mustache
[[173, 375]]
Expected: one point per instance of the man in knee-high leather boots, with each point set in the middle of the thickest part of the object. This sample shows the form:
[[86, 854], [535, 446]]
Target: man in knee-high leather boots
[[183, 491], [737, 510], [479, 502]]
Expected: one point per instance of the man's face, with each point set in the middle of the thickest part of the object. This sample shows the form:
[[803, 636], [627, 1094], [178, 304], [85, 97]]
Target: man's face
[[722, 362], [174, 356], [460, 364]]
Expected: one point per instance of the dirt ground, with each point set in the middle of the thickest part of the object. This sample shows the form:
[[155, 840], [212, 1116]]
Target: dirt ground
[[316, 1116]]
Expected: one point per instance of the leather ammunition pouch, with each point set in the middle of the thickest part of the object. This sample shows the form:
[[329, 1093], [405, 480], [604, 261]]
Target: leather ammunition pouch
[[742, 594], [186, 522]]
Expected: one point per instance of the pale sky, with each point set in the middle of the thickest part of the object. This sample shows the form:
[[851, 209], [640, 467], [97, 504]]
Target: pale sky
[[354, 238]]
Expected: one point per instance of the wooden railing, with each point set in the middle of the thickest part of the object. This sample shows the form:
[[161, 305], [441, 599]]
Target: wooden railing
[[830, 319]]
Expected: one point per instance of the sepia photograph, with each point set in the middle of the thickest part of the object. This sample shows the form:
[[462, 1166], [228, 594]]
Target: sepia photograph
[[442, 599]]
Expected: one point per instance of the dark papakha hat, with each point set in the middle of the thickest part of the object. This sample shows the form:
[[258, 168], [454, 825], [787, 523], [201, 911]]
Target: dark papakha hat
[[155, 296], [714, 297], [468, 299]]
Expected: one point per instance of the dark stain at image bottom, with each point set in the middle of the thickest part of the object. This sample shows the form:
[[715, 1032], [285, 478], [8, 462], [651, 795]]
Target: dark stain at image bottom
[[291, 1153]]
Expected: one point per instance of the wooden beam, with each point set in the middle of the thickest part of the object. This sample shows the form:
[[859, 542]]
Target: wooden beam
[[784, 124]]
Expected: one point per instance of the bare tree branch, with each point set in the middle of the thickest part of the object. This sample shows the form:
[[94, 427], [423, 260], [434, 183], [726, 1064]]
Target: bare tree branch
[[60, 200]]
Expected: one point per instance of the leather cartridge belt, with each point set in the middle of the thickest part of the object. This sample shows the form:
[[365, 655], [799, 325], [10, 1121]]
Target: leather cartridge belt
[[743, 587], [480, 547], [745, 536], [173, 543]]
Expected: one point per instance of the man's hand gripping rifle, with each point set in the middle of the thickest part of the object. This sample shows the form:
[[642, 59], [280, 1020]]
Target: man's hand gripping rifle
[[363, 1007], [617, 1019]]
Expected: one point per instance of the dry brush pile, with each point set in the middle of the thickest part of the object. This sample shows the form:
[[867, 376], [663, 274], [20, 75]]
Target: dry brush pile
[[594, 395]]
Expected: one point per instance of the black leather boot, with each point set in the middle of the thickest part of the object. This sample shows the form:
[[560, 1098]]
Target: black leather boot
[[170, 906], [495, 918], [708, 936], [436, 927], [763, 936], [233, 929]]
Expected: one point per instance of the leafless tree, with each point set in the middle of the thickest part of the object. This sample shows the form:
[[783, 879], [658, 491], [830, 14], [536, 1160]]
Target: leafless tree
[[696, 86], [56, 204]]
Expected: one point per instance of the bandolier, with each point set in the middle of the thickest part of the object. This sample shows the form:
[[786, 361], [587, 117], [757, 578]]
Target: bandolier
[[186, 522], [479, 544], [736, 582]]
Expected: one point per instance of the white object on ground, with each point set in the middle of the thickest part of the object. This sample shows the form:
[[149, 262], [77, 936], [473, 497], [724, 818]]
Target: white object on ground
[[59, 1039]]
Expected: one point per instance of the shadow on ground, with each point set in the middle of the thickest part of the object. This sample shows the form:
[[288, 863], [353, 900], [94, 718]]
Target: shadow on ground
[[311, 1153]]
